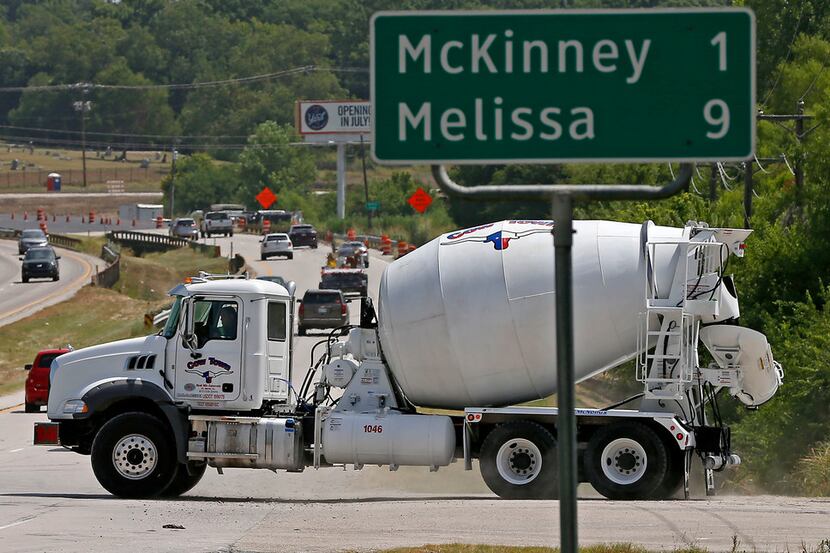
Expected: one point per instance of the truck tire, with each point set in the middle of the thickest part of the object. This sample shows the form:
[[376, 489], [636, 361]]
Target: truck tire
[[133, 456], [626, 460], [263, 257], [518, 461], [31, 408], [290, 256], [231, 234], [184, 481], [300, 331], [675, 473], [25, 279]]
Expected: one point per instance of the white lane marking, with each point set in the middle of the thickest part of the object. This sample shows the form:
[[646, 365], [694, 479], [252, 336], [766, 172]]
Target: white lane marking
[[16, 450], [19, 522]]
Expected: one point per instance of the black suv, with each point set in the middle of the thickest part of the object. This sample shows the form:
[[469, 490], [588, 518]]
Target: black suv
[[40, 263], [303, 235], [348, 281]]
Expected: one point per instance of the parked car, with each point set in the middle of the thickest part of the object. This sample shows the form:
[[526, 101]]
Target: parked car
[[40, 263], [31, 238], [37, 381], [348, 281], [303, 235], [322, 309], [216, 222], [353, 249], [184, 228], [276, 244]]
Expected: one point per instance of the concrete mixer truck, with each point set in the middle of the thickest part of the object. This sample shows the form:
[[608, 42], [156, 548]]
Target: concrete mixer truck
[[465, 326]]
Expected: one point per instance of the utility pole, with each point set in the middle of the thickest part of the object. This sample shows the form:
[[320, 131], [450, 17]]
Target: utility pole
[[365, 180], [713, 183], [799, 161], [83, 106], [174, 154], [747, 193], [799, 117]]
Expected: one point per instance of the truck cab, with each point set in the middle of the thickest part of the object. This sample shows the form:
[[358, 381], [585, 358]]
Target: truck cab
[[214, 356]]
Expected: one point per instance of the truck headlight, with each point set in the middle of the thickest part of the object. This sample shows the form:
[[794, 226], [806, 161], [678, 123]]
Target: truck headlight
[[75, 406]]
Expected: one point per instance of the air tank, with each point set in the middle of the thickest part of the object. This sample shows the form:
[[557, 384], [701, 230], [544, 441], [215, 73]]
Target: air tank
[[469, 318]]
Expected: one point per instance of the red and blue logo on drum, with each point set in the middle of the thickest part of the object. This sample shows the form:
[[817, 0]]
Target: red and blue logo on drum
[[501, 238]]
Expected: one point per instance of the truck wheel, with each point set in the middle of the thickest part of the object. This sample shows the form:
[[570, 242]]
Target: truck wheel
[[25, 279], [300, 331], [133, 456], [518, 461], [184, 481], [627, 460], [31, 408], [263, 257], [231, 234], [290, 256]]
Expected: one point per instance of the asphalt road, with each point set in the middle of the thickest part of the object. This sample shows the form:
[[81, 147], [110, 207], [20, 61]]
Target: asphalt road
[[50, 500], [19, 300]]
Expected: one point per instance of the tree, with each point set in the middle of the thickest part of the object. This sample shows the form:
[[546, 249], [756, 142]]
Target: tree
[[199, 182], [271, 160]]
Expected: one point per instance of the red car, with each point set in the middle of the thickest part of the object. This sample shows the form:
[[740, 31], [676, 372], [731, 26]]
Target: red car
[[37, 383]]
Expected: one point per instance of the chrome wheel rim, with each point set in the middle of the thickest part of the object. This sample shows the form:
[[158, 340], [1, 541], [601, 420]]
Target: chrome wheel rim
[[135, 456]]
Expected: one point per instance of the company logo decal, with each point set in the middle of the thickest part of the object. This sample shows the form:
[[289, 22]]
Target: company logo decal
[[501, 238], [316, 117], [217, 368]]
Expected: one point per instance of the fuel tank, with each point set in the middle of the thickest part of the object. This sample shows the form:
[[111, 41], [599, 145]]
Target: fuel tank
[[469, 318]]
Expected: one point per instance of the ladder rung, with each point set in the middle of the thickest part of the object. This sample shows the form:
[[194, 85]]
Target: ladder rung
[[658, 333]]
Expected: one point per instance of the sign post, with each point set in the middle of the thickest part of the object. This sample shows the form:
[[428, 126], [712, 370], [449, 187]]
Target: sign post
[[563, 86], [335, 122]]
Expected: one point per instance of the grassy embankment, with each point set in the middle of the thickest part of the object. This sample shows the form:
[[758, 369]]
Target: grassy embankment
[[97, 315]]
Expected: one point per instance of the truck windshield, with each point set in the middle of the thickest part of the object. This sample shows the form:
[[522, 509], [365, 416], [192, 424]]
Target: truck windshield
[[173, 320]]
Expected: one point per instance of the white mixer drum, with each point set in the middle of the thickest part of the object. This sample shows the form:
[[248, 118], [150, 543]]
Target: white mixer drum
[[468, 319]]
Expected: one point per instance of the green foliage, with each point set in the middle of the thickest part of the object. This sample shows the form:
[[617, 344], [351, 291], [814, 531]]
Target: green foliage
[[271, 160], [199, 182], [813, 471]]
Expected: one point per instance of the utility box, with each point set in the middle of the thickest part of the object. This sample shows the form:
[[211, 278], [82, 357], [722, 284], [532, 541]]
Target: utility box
[[140, 212], [53, 182]]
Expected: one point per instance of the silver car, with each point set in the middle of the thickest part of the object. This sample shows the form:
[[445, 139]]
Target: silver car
[[184, 228], [276, 244], [31, 238]]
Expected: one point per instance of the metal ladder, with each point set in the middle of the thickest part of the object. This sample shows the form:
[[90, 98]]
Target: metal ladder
[[671, 319]]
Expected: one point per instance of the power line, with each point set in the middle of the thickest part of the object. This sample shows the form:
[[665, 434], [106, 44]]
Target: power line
[[786, 58], [133, 135], [303, 69], [38, 140], [813, 82]]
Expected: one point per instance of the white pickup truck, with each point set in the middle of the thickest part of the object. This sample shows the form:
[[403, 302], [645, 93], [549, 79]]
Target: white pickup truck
[[216, 222]]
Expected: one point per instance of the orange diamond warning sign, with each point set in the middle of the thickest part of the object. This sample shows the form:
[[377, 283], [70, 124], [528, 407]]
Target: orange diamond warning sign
[[420, 200], [266, 198]]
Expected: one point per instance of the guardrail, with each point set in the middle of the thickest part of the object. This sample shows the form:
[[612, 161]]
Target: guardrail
[[107, 277], [64, 241], [145, 242]]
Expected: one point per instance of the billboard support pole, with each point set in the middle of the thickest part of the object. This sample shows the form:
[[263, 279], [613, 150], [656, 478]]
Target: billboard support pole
[[341, 181], [561, 197]]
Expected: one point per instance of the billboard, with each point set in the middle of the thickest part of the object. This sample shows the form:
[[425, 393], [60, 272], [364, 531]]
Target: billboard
[[334, 117]]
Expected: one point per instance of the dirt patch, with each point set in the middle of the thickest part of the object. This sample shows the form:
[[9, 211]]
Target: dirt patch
[[74, 206]]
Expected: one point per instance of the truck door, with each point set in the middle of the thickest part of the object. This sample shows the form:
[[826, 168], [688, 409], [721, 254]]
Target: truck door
[[278, 350], [209, 369]]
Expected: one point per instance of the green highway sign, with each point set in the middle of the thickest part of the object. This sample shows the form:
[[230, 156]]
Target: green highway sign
[[372, 206], [563, 86]]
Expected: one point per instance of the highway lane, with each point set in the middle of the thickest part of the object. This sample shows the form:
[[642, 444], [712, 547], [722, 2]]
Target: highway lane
[[49, 499], [19, 300]]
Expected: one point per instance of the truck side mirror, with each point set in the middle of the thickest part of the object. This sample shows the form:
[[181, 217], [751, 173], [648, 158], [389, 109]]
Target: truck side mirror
[[189, 324], [27, 367]]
